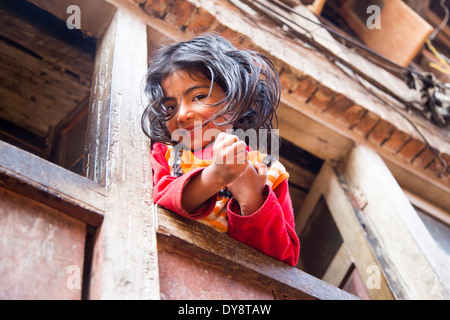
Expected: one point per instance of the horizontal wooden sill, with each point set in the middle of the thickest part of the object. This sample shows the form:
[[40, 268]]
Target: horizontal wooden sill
[[52, 185], [203, 243]]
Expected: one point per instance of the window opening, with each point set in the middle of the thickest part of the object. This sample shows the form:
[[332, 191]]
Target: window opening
[[45, 77], [439, 231], [303, 168], [320, 240]]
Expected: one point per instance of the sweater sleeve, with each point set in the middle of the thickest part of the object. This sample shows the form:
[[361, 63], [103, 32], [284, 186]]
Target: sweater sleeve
[[271, 229], [168, 190]]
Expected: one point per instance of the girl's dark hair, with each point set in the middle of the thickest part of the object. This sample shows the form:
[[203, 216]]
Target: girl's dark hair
[[249, 80]]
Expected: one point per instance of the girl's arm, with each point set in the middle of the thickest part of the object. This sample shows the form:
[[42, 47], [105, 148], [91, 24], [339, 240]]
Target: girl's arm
[[168, 190], [271, 228], [248, 188], [189, 194]]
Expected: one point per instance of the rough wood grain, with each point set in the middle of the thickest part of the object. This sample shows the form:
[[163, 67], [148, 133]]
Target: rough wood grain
[[43, 77], [41, 250], [184, 278], [50, 184], [125, 256]]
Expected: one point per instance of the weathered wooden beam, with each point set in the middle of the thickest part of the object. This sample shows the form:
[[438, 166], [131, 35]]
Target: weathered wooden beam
[[124, 262], [311, 135], [218, 249], [54, 186]]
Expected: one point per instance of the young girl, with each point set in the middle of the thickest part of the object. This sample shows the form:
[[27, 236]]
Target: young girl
[[200, 92]]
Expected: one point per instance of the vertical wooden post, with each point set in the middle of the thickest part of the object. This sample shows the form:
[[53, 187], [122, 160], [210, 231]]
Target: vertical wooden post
[[124, 263]]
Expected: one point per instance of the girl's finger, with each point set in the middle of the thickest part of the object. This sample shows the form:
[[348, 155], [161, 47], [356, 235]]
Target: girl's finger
[[229, 139], [241, 152], [220, 137], [261, 168]]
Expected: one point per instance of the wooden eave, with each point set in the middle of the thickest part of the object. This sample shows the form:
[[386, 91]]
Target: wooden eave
[[323, 109]]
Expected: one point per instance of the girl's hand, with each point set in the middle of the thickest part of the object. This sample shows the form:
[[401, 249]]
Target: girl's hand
[[229, 158], [248, 188], [231, 167]]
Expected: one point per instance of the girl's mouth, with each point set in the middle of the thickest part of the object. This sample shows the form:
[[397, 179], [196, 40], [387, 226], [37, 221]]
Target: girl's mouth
[[194, 129]]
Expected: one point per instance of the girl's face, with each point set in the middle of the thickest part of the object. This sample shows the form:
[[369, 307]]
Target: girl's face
[[190, 95]]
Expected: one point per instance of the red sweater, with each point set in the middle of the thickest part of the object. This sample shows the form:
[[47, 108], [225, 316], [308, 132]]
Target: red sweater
[[269, 230]]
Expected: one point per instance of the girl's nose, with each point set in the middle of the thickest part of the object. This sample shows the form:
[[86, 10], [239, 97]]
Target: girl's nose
[[184, 113]]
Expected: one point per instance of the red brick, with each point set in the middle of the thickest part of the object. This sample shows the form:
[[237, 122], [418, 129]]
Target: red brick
[[424, 159], [411, 149], [352, 115], [289, 82], [201, 21], [338, 106], [381, 132], [306, 86], [366, 124], [157, 8], [396, 141], [438, 168], [322, 97], [179, 13]]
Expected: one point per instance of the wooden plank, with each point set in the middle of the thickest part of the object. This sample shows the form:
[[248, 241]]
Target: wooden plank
[[124, 262], [313, 196], [419, 186], [310, 135], [428, 207], [66, 143], [56, 52], [31, 87], [184, 278], [218, 249], [45, 69], [402, 32], [41, 251], [45, 182]]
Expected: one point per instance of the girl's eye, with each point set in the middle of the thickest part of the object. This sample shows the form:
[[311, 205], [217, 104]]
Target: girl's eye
[[200, 97], [170, 108]]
